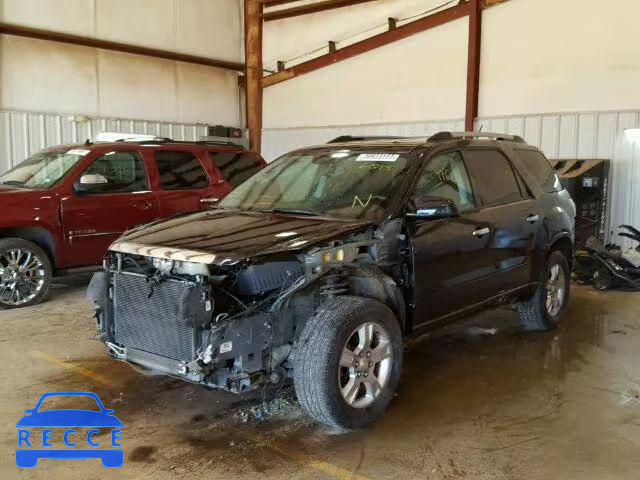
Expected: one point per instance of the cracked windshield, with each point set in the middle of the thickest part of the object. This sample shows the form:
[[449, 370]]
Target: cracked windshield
[[342, 184]]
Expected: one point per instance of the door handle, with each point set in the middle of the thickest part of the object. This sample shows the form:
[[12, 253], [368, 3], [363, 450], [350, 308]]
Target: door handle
[[144, 205], [533, 218], [481, 232], [209, 200]]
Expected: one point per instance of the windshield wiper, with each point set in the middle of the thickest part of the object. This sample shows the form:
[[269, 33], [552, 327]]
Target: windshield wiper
[[295, 211], [16, 183]]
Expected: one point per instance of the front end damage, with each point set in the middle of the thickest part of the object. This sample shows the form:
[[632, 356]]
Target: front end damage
[[231, 324]]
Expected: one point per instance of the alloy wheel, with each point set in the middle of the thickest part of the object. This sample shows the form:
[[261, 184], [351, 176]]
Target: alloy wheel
[[22, 276], [556, 285], [365, 365]]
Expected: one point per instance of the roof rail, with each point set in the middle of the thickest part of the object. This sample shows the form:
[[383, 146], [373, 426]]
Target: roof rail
[[153, 139], [351, 138], [203, 142], [442, 136]]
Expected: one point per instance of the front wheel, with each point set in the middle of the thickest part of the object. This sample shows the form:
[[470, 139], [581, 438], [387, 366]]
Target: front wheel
[[544, 309], [25, 273], [348, 362]]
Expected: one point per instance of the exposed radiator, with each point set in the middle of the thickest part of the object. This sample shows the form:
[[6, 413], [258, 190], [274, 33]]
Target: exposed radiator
[[168, 323]]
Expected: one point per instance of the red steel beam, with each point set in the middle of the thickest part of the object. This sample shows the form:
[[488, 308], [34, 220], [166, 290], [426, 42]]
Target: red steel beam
[[253, 71], [380, 40], [473, 64], [310, 8], [28, 32]]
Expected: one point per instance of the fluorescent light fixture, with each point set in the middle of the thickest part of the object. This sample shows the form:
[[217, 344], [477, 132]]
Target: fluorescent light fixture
[[285, 234]]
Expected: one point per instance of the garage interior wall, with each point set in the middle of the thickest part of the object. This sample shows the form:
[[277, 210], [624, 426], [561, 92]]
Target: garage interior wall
[[538, 58], [41, 77]]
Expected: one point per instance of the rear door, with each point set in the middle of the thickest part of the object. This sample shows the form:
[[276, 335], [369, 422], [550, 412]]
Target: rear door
[[92, 220], [183, 181], [451, 256], [513, 213]]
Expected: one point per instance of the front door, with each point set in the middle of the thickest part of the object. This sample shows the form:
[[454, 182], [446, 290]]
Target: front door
[[452, 265], [118, 199]]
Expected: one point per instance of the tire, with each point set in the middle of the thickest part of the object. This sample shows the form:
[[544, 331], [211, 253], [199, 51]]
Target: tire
[[536, 314], [319, 377], [34, 283], [602, 279]]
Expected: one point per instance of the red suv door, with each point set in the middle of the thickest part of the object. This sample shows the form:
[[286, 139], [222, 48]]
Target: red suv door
[[184, 184], [110, 196]]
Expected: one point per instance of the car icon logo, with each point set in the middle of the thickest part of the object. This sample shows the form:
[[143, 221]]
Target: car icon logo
[[31, 448]]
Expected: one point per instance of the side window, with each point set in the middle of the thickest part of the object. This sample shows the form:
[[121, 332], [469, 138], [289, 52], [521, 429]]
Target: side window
[[541, 170], [180, 171], [493, 177], [446, 176], [236, 167], [118, 172]]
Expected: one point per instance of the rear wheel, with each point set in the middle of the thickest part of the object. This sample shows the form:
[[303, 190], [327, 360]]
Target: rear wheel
[[25, 273], [348, 362], [544, 309]]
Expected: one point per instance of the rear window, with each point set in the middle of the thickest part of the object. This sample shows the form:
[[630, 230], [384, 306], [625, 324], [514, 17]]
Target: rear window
[[180, 171], [236, 167], [493, 177], [541, 170]]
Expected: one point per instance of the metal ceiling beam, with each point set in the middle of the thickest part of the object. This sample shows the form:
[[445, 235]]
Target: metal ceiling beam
[[310, 8], [380, 40], [20, 31], [253, 71], [473, 64]]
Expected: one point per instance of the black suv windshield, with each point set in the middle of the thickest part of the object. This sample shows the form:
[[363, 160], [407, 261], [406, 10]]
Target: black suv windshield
[[338, 183], [43, 169]]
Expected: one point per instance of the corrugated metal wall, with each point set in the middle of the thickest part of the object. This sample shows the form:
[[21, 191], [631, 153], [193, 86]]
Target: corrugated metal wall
[[24, 133], [585, 135]]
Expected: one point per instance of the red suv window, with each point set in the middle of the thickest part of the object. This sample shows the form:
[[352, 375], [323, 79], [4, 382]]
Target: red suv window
[[180, 171], [236, 167]]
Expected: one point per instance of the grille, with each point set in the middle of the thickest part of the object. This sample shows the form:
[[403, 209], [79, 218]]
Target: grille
[[156, 325]]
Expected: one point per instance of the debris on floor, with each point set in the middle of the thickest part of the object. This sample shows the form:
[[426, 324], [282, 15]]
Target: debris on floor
[[284, 404]]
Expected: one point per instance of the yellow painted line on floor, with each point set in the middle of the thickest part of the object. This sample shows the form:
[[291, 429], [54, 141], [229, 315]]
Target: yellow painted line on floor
[[304, 459], [85, 372]]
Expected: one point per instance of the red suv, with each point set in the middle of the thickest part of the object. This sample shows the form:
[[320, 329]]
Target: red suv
[[62, 207]]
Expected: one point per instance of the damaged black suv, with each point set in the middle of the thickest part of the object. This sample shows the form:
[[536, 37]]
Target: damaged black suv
[[318, 267]]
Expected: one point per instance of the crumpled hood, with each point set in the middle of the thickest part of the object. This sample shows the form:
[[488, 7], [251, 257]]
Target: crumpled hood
[[220, 236]]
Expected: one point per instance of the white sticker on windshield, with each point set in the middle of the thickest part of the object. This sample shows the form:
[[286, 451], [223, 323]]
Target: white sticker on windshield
[[377, 157], [78, 151]]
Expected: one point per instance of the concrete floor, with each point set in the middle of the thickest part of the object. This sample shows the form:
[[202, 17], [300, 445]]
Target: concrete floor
[[513, 405]]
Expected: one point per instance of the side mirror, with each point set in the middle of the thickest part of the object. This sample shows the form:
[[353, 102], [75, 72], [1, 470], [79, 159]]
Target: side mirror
[[432, 208], [92, 182]]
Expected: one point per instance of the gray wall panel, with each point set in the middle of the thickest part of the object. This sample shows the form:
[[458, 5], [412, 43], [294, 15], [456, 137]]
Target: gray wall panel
[[24, 133]]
